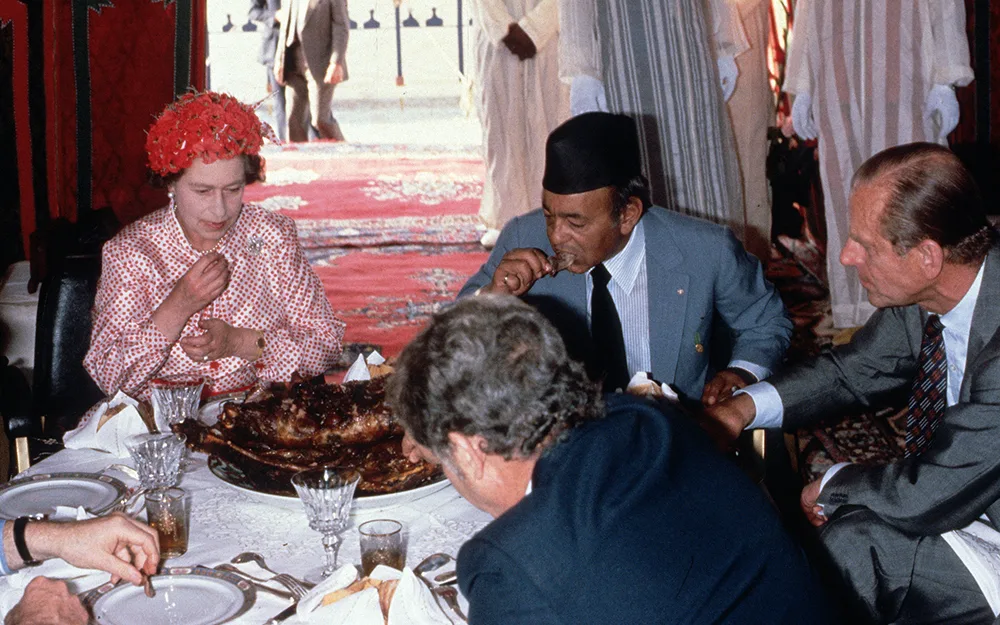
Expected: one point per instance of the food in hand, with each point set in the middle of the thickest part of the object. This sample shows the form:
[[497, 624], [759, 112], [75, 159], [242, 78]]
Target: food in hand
[[147, 585], [561, 260]]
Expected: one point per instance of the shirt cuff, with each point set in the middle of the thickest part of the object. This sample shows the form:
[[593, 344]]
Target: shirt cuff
[[4, 567], [767, 402], [830, 473], [761, 373]]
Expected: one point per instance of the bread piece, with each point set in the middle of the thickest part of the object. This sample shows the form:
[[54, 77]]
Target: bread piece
[[385, 593]]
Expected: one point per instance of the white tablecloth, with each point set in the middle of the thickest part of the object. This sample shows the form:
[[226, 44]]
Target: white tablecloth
[[226, 520]]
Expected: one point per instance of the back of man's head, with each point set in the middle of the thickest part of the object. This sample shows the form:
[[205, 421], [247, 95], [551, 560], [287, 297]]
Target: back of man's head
[[491, 366], [931, 196]]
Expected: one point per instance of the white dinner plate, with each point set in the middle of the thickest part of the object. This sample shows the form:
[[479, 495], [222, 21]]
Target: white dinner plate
[[234, 477], [184, 596], [40, 494]]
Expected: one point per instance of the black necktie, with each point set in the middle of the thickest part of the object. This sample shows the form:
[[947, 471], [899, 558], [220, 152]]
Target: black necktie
[[930, 389], [606, 330]]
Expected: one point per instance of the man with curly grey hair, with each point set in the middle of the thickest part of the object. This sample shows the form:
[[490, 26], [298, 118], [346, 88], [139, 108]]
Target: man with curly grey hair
[[608, 510]]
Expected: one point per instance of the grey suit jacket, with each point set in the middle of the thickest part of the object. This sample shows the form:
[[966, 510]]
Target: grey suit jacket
[[694, 269], [958, 478], [324, 35]]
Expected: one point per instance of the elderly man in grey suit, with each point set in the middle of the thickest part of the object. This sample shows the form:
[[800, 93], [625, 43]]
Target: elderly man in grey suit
[[648, 283], [311, 61], [915, 541]]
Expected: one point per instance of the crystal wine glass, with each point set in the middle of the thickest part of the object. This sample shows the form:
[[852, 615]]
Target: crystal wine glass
[[327, 494]]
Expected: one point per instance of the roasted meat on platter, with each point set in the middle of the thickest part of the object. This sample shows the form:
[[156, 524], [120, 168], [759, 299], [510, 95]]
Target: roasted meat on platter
[[309, 424]]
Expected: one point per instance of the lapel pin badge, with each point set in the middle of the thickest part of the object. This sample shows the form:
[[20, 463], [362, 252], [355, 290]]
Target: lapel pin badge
[[698, 347]]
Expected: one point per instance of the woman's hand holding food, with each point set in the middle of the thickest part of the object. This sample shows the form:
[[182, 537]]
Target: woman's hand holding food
[[206, 280]]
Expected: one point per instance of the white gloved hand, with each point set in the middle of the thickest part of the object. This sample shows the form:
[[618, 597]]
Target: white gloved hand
[[586, 95], [942, 101], [728, 72], [802, 117]]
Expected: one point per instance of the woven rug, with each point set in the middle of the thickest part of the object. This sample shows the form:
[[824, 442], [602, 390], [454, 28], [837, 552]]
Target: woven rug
[[393, 232]]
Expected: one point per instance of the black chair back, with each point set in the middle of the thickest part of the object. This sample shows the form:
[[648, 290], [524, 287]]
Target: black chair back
[[63, 390]]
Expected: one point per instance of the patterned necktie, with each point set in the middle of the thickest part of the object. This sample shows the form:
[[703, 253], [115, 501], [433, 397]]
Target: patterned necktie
[[606, 330], [930, 388]]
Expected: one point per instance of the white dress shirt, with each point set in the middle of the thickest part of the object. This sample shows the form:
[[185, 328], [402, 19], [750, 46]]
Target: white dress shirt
[[629, 289]]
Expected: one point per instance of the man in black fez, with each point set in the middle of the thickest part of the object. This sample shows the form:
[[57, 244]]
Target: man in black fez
[[650, 282]]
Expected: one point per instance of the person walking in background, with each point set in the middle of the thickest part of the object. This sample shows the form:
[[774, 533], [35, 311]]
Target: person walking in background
[[520, 101], [264, 11], [311, 60]]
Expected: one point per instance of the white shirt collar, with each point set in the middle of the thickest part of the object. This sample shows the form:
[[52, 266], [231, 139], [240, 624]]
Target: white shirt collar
[[624, 266], [960, 317]]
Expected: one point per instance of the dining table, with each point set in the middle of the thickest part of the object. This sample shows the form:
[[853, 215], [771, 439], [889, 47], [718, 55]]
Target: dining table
[[227, 520]]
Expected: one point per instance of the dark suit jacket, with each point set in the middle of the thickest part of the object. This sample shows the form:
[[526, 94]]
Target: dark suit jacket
[[958, 477], [263, 11], [695, 269], [324, 36], [637, 519]]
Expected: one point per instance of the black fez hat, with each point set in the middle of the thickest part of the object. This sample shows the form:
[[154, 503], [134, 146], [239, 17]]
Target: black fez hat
[[591, 151]]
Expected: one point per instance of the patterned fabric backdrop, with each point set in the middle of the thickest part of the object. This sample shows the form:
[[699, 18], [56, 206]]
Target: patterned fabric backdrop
[[114, 64]]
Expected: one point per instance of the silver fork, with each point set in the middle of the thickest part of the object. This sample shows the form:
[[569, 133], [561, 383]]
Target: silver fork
[[450, 596], [292, 584], [259, 582]]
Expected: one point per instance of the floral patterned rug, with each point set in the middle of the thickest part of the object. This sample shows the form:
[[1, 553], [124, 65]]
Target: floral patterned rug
[[393, 232]]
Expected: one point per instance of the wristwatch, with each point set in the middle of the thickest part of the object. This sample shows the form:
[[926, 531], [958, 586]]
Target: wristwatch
[[20, 544]]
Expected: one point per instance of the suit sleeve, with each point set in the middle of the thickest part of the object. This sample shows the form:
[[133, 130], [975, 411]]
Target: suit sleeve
[[953, 482], [340, 31], [499, 591], [750, 306], [507, 241], [879, 361]]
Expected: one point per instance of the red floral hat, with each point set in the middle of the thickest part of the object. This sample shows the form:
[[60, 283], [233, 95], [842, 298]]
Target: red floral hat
[[209, 125]]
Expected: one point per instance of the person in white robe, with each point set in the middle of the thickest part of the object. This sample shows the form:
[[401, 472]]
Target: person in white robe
[[520, 101], [868, 75], [663, 63], [752, 111]]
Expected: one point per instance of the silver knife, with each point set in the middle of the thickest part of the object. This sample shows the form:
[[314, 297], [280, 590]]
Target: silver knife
[[282, 616]]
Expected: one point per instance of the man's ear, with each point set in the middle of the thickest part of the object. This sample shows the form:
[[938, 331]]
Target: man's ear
[[630, 216], [467, 454], [931, 258]]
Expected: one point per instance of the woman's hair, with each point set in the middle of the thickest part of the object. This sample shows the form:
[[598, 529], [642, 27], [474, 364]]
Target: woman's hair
[[253, 166]]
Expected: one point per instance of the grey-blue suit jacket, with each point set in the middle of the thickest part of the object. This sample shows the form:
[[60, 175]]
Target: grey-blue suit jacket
[[694, 269]]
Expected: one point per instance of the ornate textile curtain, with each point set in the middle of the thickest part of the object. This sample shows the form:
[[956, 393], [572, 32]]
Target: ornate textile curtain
[[113, 66]]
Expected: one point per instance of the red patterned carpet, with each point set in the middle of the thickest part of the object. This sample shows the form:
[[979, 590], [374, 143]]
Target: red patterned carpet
[[392, 232]]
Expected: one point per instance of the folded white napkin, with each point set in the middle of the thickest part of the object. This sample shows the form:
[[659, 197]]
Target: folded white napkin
[[69, 513], [359, 370], [77, 579], [412, 603], [108, 434], [641, 385]]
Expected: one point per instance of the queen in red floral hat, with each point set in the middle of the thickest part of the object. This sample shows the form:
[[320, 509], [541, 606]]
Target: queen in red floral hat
[[208, 286]]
